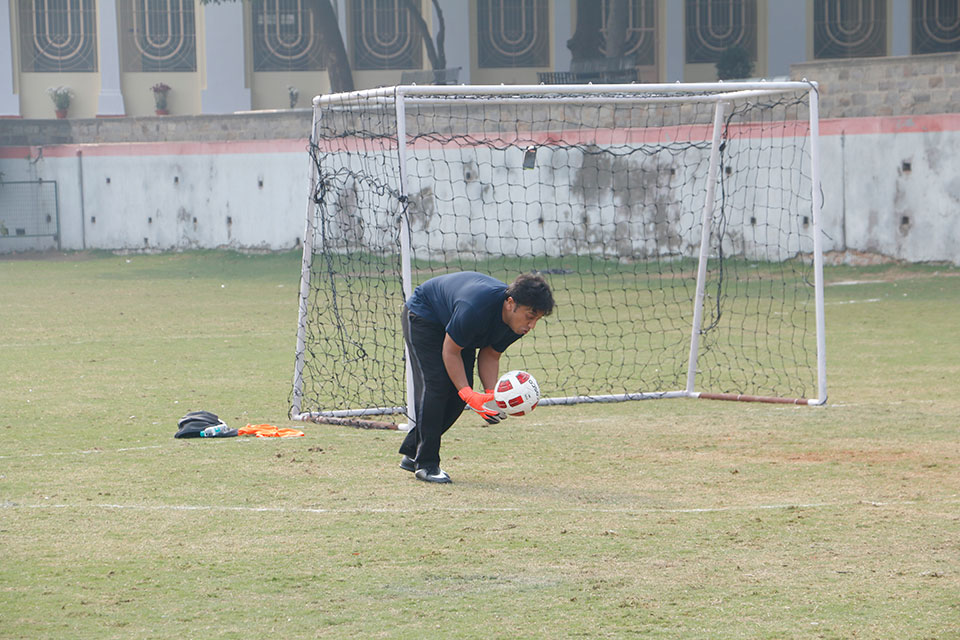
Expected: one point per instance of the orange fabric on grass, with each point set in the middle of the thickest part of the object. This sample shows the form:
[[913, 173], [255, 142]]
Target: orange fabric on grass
[[268, 431]]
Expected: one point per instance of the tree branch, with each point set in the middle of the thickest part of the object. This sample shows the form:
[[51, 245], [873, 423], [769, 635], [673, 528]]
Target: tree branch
[[424, 30]]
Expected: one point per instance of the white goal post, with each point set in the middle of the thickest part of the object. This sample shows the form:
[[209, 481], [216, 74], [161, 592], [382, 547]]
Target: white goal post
[[678, 225]]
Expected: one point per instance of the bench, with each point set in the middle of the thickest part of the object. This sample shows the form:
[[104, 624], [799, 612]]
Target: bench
[[431, 76], [622, 70]]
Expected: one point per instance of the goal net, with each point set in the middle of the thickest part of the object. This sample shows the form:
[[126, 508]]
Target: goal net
[[676, 224]]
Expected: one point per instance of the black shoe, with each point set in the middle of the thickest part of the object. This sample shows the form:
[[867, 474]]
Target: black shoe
[[407, 464], [432, 474]]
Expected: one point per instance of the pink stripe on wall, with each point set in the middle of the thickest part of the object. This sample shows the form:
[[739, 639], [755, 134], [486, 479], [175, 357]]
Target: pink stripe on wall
[[663, 135], [244, 147], [829, 127], [890, 124]]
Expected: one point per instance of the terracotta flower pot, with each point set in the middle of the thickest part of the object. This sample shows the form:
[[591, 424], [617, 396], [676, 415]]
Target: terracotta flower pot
[[61, 114], [162, 112]]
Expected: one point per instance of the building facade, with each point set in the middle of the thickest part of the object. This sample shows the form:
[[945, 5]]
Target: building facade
[[267, 54]]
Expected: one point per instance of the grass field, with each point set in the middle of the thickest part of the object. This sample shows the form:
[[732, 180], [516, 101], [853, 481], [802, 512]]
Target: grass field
[[660, 519]]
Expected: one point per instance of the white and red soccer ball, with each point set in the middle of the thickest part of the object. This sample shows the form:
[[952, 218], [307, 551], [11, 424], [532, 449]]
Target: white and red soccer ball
[[516, 393]]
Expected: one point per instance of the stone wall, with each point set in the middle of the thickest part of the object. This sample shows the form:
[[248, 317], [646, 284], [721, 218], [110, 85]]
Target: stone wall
[[256, 125], [908, 85]]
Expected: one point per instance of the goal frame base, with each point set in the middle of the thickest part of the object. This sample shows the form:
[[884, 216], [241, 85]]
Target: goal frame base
[[350, 418], [359, 423]]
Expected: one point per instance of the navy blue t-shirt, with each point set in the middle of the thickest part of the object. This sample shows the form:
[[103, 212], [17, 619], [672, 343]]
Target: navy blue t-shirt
[[469, 305]]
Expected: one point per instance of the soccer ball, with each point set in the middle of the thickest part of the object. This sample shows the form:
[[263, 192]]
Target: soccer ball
[[517, 393]]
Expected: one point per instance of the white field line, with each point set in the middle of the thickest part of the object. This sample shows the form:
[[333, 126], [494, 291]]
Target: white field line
[[467, 509], [854, 301], [80, 453], [847, 283], [873, 404], [141, 340], [345, 433]]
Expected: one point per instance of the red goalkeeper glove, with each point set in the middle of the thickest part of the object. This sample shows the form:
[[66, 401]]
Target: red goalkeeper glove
[[475, 401]]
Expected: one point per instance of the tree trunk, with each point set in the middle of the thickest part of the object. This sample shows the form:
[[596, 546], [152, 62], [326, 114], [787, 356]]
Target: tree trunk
[[441, 33], [334, 52], [585, 43], [617, 23], [437, 60]]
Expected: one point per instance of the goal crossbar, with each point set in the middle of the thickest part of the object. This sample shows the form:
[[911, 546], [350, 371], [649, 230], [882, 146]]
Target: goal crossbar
[[710, 91]]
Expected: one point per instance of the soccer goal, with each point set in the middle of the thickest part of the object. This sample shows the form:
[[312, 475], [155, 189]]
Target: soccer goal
[[678, 225]]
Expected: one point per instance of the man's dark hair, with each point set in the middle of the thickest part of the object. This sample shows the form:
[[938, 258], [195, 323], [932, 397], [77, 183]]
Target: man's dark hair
[[531, 290]]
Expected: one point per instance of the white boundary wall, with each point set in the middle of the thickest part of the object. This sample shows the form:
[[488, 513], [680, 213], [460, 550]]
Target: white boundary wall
[[171, 195], [891, 186]]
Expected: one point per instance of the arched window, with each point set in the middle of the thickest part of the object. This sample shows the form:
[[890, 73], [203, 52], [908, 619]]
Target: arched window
[[513, 33], [641, 30], [285, 36], [714, 26], [158, 35], [849, 28], [384, 36], [936, 26], [58, 35]]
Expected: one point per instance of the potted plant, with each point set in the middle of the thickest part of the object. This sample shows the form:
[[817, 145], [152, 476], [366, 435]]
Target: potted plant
[[61, 97], [160, 91], [294, 95]]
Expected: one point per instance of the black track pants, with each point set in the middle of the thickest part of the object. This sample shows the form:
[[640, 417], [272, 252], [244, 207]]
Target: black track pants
[[437, 404]]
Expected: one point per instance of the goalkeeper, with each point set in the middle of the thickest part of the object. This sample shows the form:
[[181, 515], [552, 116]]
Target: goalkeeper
[[448, 323]]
